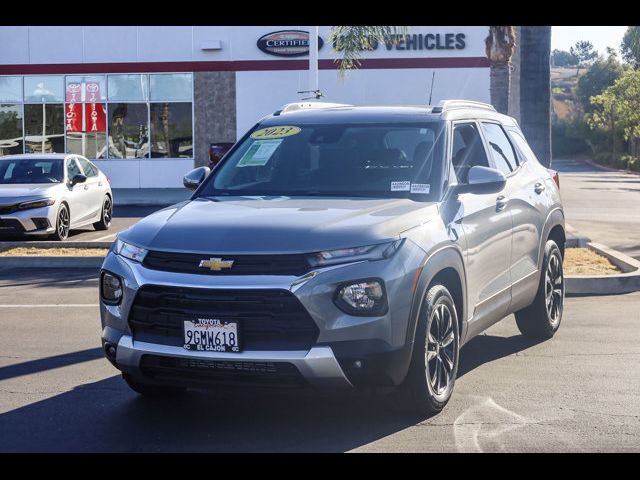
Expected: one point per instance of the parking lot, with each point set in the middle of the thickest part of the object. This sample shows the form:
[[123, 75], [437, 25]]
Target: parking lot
[[576, 392]]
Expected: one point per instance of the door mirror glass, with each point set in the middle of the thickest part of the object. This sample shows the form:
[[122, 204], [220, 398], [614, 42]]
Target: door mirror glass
[[195, 177], [79, 178], [482, 180]]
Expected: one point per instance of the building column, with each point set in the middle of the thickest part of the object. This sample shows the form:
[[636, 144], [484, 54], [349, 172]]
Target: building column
[[214, 110]]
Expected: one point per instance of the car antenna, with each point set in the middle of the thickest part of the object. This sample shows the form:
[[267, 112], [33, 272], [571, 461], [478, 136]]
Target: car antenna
[[431, 91], [317, 94]]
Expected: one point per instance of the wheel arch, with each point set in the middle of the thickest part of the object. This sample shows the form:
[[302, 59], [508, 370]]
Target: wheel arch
[[445, 266], [554, 229]]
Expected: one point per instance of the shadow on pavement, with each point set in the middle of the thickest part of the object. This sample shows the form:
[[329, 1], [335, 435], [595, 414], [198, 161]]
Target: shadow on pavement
[[106, 416], [49, 363], [50, 277], [487, 348]]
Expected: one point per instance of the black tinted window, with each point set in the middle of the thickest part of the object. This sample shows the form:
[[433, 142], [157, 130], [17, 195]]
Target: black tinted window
[[72, 169], [468, 150], [501, 149], [89, 170]]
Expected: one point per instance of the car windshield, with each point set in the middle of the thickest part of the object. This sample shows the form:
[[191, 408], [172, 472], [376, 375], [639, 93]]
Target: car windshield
[[31, 170], [367, 160]]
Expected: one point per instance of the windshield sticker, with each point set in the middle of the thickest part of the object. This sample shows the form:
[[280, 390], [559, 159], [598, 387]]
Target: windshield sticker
[[420, 188], [259, 153], [400, 186], [275, 132]]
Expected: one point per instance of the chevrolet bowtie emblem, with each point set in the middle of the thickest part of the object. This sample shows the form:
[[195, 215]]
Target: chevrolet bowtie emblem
[[216, 264]]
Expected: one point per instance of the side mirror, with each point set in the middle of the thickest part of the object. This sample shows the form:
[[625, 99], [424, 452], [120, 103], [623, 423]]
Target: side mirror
[[79, 178], [195, 177], [482, 180]]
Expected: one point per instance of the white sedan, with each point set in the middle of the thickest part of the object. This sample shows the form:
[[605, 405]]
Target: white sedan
[[52, 193]]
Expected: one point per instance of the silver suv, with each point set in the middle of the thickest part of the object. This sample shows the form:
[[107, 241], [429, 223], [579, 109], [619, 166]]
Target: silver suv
[[340, 246]]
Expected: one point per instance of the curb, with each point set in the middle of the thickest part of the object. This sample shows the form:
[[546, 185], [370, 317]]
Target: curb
[[608, 169], [33, 261], [626, 282]]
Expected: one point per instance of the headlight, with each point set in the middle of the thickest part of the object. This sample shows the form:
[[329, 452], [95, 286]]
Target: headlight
[[43, 202], [129, 251], [345, 255], [363, 297], [110, 288]]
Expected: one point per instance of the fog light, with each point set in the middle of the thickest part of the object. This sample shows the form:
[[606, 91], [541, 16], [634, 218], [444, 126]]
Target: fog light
[[110, 288], [366, 297], [41, 223]]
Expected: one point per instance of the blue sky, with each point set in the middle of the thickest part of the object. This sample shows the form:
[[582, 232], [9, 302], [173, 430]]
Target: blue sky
[[563, 38]]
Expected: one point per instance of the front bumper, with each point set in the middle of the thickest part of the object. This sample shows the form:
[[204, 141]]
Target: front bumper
[[349, 350], [34, 221]]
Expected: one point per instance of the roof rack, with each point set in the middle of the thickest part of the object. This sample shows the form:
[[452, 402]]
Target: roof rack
[[445, 105], [292, 107]]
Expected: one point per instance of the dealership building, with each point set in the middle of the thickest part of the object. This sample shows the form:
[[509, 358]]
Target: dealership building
[[146, 102]]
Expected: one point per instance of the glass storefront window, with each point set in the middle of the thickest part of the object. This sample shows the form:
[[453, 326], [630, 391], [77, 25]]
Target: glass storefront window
[[10, 129], [44, 88], [128, 88], [128, 130], [44, 128], [171, 130], [171, 86], [87, 129], [86, 89], [10, 89]]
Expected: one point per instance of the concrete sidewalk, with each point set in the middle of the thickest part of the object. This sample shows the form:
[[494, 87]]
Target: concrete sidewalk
[[150, 196]]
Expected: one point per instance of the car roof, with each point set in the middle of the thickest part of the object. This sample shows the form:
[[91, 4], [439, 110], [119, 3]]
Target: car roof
[[381, 114], [39, 156]]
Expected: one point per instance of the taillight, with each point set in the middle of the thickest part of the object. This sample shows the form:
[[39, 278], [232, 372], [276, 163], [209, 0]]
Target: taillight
[[555, 175]]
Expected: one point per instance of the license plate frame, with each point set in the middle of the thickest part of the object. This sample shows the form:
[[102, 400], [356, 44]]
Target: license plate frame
[[211, 335]]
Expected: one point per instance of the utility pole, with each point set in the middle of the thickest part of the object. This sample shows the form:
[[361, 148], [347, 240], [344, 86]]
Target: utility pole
[[313, 59]]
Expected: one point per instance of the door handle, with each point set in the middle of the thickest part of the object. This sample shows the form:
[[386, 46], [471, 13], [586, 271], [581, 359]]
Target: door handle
[[539, 187], [501, 202]]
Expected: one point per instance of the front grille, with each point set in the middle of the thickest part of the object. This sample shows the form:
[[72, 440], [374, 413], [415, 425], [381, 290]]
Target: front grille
[[293, 264], [217, 371], [10, 225], [7, 209], [267, 319]]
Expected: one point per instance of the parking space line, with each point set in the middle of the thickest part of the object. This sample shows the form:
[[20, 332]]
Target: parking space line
[[51, 305], [99, 239]]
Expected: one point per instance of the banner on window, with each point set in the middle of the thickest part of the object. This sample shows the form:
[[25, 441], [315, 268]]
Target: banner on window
[[73, 117], [95, 117]]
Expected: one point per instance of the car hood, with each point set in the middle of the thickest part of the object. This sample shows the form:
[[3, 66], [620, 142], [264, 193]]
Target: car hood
[[283, 225], [14, 193]]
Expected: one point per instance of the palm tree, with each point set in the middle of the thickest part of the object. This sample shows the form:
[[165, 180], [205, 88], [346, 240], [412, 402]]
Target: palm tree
[[500, 45], [535, 89]]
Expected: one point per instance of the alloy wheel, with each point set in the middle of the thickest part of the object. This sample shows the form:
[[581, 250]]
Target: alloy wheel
[[554, 288], [63, 223], [440, 349], [107, 211]]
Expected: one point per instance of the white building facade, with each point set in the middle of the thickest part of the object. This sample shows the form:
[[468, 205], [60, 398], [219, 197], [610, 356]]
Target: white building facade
[[145, 102]]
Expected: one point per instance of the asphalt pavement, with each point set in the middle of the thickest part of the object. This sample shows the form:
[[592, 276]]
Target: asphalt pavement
[[576, 392], [601, 204]]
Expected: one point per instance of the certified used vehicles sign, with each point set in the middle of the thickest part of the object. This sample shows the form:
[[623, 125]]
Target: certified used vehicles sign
[[286, 43]]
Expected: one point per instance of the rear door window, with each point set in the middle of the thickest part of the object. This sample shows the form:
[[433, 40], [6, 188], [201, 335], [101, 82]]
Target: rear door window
[[502, 152]]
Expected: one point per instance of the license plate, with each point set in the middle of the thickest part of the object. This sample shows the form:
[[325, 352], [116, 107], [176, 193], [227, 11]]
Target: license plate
[[211, 335]]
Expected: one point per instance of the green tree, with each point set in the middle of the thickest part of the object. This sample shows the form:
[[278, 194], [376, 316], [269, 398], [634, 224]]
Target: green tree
[[584, 52], [618, 107], [562, 58], [603, 73], [352, 41], [630, 47]]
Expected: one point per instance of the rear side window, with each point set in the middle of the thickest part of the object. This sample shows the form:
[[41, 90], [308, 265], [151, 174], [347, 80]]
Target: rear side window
[[502, 152], [524, 150], [89, 169]]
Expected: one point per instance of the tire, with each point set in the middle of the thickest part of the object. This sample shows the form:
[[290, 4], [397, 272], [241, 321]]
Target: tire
[[430, 381], [106, 215], [151, 391], [63, 222], [542, 318]]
